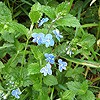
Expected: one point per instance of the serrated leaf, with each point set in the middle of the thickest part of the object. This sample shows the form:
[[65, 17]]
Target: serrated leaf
[[68, 95], [37, 53], [19, 28], [87, 96], [9, 37], [5, 13], [77, 87], [1, 65], [43, 30], [49, 11], [62, 8], [35, 13], [50, 80], [36, 7], [68, 20], [35, 16], [33, 68], [87, 40], [73, 72]]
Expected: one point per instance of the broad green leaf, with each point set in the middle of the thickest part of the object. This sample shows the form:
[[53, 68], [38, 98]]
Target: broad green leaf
[[37, 53], [35, 16], [18, 28], [35, 13], [44, 94], [37, 84], [36, 7], [49, 11], [9, 37], [73, 72], [63, 8], [68, 95], [33, 68], [87, 40], [1, 65], [43, 30], [5, 13], [50, 80], [77, 87], [87, 96], [68, 20]]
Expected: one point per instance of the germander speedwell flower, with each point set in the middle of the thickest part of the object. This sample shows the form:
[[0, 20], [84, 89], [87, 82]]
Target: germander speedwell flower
[[50, 58], [46, 70], [48, 41], [38, 38], [58, 34], [16, 93], [42, 21], [62, 65]]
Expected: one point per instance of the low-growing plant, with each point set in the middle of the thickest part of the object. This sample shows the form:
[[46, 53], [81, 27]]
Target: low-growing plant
[[55, 59]]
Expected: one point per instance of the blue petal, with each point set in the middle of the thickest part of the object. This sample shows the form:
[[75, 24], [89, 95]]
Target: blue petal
[[42, 21], [52, 42], [60, 61]]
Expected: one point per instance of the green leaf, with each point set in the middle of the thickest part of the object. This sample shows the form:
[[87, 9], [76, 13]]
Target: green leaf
[[49, 11], [35, 13], [68, 20], [68, 95], [62, 8], [37, 53], [87, 96], [9, 37], [33, 68], [19, 28], [87, 40], [73, 72], [44, 94], [36, 7], [35, 16], [5, 13], [77, 87], [50, 80], [1, 65]]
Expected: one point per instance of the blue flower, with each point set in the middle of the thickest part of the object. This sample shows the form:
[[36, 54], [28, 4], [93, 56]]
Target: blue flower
[[16, 93], [62, 65], [46, 70], [57, 33], [50, 58], [48, 41], [38, 38], [42, 21]]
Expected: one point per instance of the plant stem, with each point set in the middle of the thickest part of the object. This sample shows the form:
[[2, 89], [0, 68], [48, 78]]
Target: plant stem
[[82, 62]]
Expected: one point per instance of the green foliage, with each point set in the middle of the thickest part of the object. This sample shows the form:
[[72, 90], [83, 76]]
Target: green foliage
[[5, 13], [50, 80], [35, 13], [23, 62], [68, 20], [33, 68], [49, 11]]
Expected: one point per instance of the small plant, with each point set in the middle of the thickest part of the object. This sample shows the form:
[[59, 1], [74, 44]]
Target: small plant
[[52, 59]]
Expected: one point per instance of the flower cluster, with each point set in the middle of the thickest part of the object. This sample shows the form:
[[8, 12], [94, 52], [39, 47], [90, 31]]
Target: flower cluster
[[40, 38], [50, 58], [16, 93], [47, 40]]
